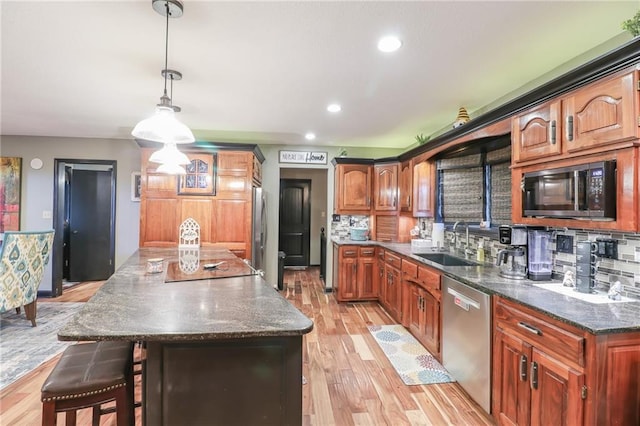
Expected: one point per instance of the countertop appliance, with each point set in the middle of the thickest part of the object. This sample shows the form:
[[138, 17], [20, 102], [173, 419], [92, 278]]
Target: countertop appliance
[[581, 191], [466, 339], [512, 260], [540, 262], [259, 230]]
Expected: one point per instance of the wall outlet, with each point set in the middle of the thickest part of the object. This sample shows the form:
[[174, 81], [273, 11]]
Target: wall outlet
[[47, 214], [564, 243]]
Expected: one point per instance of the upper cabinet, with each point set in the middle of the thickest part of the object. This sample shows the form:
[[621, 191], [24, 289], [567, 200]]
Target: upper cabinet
[[423, 188], [588, 119], [385, 187], [352, 189], [405, 187]]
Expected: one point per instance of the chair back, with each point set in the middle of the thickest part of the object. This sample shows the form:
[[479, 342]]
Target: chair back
[[23, 257]]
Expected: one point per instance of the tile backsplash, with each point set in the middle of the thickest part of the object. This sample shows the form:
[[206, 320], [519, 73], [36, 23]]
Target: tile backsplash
[[341, 228], [625, 269]]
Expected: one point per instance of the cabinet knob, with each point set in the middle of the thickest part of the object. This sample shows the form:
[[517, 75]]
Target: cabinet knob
[[523, 368], [553, 132], [570, 128]]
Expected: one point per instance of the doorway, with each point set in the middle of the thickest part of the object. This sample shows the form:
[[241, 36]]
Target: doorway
[[295, 221], [84, 220]]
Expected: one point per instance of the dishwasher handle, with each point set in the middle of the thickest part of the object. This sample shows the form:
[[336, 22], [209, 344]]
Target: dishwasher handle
[[463, 298]]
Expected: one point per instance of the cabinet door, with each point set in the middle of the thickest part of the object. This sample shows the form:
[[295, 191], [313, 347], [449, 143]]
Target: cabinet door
[[422, 189], [405, 188], [353, 188], [556, 396], [431, 327], [415, 313], [367, 278], [386, 187], [393, 292], [511, 394], [536, 133], [348, 274], [600, 113]]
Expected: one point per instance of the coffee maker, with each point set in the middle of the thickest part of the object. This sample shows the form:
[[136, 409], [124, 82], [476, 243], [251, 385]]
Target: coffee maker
[[512, 260], [540, 264]]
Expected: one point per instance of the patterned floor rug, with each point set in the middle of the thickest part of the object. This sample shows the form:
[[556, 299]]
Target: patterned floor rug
[[22, 347], [413, 363]]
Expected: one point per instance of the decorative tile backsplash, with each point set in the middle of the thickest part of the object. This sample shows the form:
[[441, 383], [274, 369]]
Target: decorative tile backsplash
[[341, 228], [626, 268]]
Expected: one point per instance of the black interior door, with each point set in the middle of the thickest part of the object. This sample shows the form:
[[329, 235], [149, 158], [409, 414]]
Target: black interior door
[[295, 221], [90, 225]]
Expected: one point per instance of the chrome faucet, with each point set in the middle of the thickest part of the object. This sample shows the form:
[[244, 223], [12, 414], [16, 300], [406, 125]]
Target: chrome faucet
[[467, 250]]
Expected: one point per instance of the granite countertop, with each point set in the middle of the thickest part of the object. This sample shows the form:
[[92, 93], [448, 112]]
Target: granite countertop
[[602, 318], [138, 306]]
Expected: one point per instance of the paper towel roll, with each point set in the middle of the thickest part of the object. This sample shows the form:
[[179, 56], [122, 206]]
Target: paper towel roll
[[437, 235]]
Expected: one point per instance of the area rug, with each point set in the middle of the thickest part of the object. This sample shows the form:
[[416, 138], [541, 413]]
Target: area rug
[[413, 363], [22, 347]]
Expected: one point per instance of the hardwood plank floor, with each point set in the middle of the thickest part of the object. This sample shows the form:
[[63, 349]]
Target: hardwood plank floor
[[349, 381]]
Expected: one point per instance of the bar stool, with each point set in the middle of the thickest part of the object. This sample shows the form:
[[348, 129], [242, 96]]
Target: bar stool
[[88, 375]]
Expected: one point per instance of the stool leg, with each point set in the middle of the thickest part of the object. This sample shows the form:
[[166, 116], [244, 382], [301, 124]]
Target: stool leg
[[124, 408], [95, 419], [70, 417], [49, 415]]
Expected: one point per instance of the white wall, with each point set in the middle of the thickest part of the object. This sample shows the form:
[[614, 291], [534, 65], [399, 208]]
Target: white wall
[[37, 185]]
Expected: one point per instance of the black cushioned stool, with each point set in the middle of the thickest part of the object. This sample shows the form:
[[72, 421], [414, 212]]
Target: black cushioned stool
[[88, 375]]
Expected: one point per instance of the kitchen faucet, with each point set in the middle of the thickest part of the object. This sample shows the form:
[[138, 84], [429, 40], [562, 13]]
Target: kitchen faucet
[[467, 250]]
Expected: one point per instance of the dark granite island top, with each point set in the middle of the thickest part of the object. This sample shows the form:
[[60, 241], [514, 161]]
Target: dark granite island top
[[212, 345]]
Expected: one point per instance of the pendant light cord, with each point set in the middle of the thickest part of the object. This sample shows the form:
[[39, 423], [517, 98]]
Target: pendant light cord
[[166, 47]]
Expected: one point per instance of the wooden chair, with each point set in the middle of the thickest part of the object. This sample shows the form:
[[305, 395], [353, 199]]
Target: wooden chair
[[89, 375], [23, 258]]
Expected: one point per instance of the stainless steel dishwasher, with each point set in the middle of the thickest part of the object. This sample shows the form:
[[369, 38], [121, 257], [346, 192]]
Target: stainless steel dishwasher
[[466, 339]]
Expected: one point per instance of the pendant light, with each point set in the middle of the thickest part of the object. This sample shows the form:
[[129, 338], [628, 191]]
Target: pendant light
[[163, 126]]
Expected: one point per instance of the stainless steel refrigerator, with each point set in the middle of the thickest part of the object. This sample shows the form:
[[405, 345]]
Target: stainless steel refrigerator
[[259, 230]]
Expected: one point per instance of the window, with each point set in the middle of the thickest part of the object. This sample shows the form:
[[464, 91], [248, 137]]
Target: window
[[475, 187]]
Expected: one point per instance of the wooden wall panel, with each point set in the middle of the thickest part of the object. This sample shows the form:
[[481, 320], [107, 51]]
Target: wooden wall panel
[[231, 221], [200, 210], [159, 222]]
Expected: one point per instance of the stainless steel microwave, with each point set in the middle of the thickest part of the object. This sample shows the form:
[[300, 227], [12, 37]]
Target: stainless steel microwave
[[585, 191]]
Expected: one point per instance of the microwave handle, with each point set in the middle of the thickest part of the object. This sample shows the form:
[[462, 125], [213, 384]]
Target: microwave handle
[[576, 189]]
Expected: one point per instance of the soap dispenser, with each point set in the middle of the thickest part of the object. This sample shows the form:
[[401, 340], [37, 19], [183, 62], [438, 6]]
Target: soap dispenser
[[480, 251]]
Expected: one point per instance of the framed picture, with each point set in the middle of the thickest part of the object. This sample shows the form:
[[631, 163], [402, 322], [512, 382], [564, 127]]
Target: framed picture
[[136, 186], [199, 179], [10, 187]]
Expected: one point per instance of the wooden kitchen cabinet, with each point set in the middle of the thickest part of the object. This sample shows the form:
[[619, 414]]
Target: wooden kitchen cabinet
[[537, 133], [405, 186], [589, 119], [224, 214], [385, 187], [357, 273], [392, 286], [352, 188], [422, 306], [423, 188], [538, 368]]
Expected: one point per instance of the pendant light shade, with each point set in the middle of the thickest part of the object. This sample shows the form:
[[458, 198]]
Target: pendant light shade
[[169, 154], [171, 169], [163, 126]]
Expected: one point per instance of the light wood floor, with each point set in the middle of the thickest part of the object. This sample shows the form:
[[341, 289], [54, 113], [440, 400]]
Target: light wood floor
[[349, 380]]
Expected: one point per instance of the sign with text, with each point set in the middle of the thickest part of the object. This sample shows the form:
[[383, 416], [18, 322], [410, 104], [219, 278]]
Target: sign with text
[[303, 157]]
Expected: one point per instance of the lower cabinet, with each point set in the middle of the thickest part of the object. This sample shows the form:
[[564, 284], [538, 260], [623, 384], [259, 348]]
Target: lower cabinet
[[356, 273], [391, 298], [546, 372], [422, 305]]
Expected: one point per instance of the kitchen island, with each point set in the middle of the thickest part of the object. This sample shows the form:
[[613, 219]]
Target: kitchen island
[[220, 350]]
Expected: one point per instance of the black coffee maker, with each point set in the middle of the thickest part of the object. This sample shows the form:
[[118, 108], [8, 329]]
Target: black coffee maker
[[512, 260]]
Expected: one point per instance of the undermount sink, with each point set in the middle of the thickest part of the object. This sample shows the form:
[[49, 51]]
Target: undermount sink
[[445, 259]]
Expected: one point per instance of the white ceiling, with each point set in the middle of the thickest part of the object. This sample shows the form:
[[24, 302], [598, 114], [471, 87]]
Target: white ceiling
[[264, 72]]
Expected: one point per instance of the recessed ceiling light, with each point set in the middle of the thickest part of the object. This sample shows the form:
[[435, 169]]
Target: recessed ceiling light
[[334, 108], [310, 136], [389, 44]]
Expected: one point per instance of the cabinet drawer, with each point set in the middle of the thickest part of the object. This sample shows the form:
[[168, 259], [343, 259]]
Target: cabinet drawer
[[392, 260], [409, 269], [367, 251], [349, 251], [429, 279], [541, 331]]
